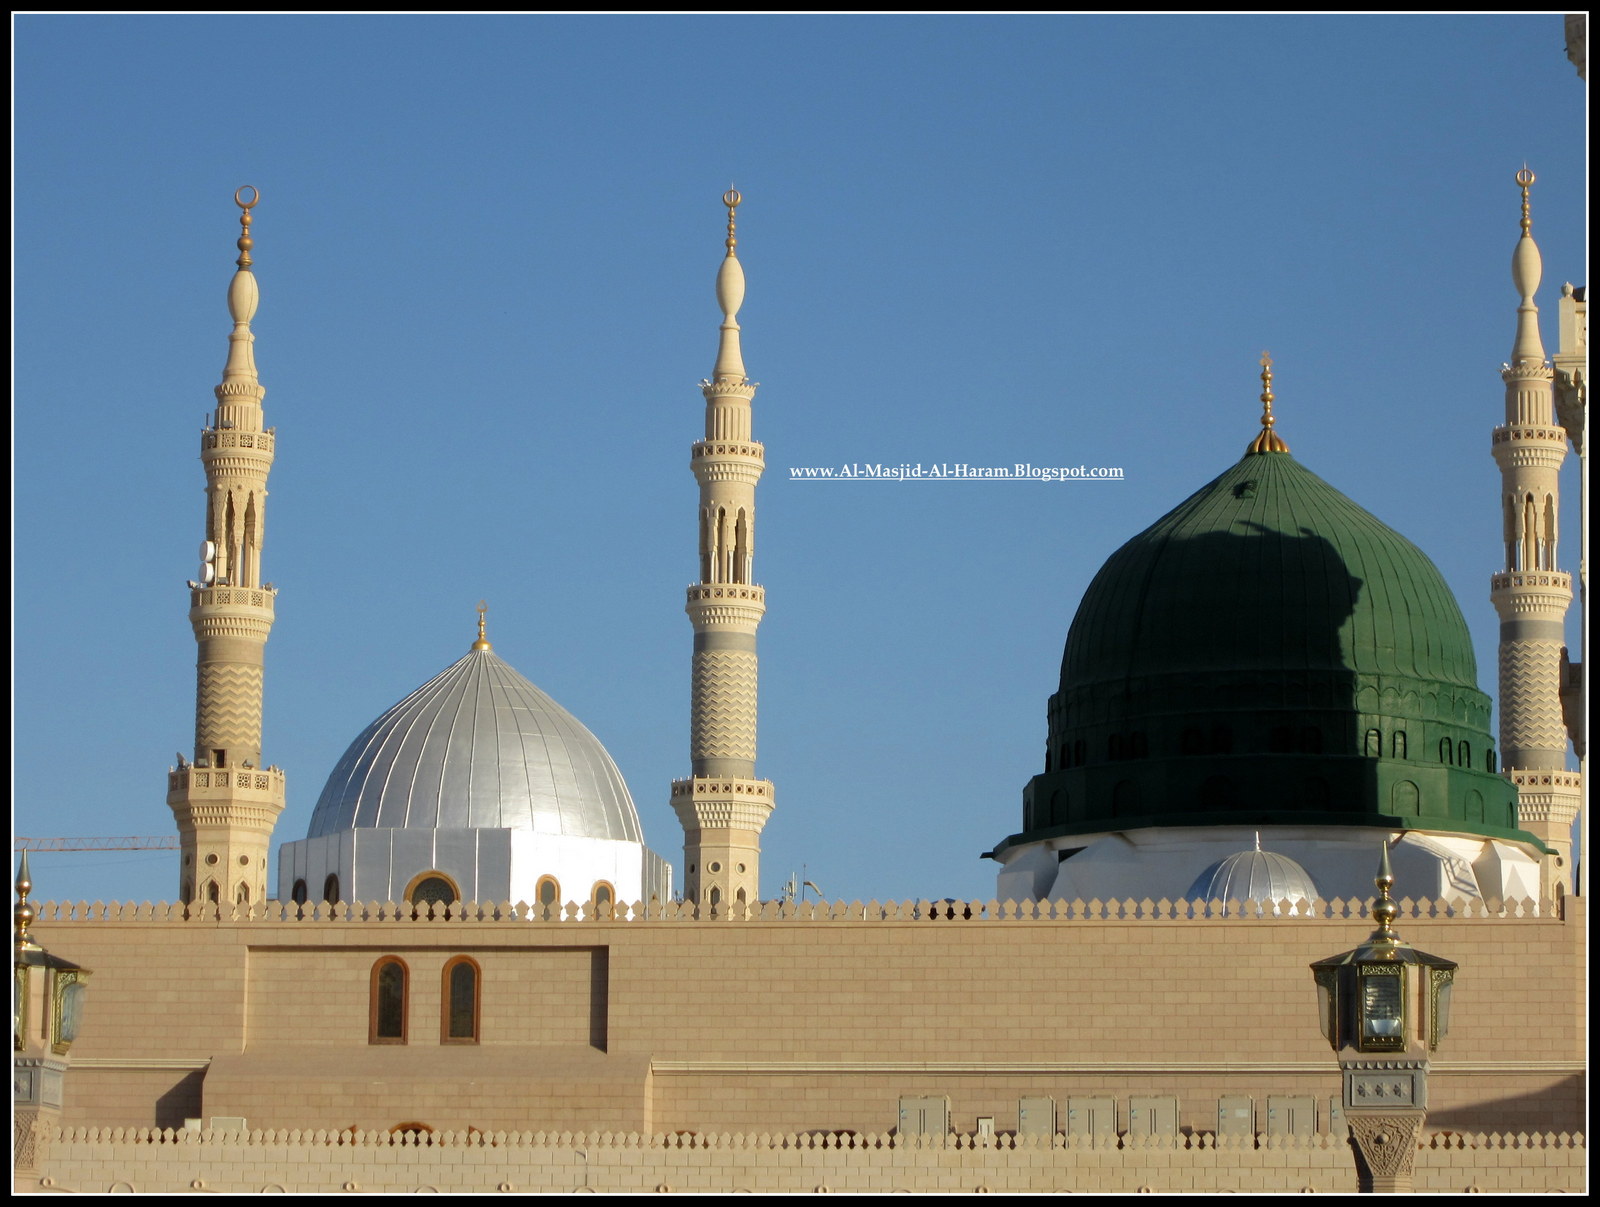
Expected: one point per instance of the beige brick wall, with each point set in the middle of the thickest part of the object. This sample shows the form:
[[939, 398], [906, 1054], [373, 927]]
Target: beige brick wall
[[816, 1021]]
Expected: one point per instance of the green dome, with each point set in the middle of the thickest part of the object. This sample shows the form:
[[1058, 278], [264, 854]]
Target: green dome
[[1268, 653]]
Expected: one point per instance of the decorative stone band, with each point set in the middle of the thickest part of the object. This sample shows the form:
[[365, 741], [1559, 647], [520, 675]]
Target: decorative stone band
[[1513, 433], [1526, 372], [234, 390], [743, 470], [724, 448], [233, 816], [698, 816], [726, 606], [261, 441], [728, 389], [720, 786]]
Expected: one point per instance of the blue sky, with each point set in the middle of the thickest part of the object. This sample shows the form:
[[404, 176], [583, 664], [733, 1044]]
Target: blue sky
[[486, 248]]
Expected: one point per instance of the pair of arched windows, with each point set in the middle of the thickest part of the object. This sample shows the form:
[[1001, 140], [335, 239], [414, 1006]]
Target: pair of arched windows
[[389, 1015], [601, 896], [299, 894]]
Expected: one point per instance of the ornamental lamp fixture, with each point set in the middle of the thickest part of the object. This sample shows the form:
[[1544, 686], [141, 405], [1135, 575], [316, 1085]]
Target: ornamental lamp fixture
[[1384, 996], [1383, 1008]]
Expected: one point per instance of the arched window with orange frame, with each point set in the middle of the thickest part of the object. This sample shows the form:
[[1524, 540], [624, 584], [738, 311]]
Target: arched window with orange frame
[[461, 991], [390, 1010]]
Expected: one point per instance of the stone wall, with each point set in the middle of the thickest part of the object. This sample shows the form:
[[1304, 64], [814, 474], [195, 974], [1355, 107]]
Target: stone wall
[[794, 1020]]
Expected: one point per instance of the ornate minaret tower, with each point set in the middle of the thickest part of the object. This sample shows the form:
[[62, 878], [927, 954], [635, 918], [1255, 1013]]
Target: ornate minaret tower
[[226, 802], [1531, 594], [722, 805]]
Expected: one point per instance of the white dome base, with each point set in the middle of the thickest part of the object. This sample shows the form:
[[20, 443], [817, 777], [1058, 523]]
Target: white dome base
[[1342, 860]]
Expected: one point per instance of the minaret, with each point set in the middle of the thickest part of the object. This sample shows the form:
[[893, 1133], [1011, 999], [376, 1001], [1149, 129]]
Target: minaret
[[723, 806], [1531, 594], [226, 802]]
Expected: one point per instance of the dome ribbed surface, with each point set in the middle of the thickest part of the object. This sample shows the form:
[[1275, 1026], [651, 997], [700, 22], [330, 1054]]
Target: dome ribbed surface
[[1254, 876], [1267, 567], [478, 747]]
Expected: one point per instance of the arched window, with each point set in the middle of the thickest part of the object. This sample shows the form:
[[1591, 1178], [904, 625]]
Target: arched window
[[1463, 754], [549, 893], [460, 993], [330, 890], [1079, 751], [1125, 798], [1488, 761], [1397, 744], [1446, 751], [298, 893], [603, 896], [390, 1002], [434, 887], [1405, 799], [241, 895], [213, 894], [1374, 744]]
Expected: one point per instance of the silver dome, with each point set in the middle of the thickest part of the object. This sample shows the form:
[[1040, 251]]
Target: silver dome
[[478, 747], [1256, 875]]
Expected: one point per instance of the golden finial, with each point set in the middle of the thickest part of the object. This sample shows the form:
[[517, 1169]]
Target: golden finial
[[245, 242], [483, 642], [1525, 179], [22, 916], [1384, 911], [1268, 441], [731, 199]]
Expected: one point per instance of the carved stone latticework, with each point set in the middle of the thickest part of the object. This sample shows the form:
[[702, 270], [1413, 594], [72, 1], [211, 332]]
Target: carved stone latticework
[[225, 810]]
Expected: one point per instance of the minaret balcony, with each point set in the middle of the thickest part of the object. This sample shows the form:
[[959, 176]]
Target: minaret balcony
[[1529, 446], [724, 804], [727, 461], [1531, 594], [220, 782], [737, 606]]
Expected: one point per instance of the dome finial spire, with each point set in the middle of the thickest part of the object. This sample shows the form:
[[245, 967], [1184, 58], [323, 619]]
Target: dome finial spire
[[243, 297], [730, 296], [1268, 441], [1527, 268], [483, 641]]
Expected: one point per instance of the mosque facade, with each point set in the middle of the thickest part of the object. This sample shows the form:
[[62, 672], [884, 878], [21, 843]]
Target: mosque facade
[[476, 975]]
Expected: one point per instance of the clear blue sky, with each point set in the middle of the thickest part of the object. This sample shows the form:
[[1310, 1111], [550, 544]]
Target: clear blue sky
[[486, 248]]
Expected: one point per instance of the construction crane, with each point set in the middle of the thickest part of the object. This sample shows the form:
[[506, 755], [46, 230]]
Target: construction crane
[[132, 843]]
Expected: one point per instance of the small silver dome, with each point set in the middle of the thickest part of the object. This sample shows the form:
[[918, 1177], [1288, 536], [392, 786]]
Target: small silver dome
[[1256, 875], [478, 747]]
